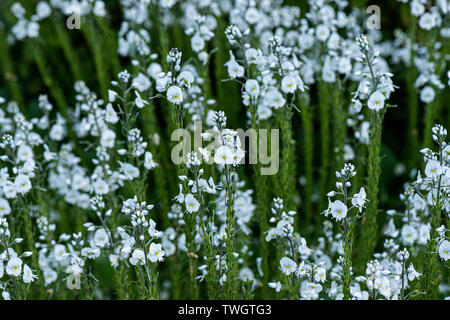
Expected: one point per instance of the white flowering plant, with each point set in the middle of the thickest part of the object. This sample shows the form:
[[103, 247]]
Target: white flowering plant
[[135, 137]]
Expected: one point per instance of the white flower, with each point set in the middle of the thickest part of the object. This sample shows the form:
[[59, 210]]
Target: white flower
[[288, 84], [409, 234], [59, 252], [33, 29], [235, 70], [5, 208], [14, 267], [322, 32], [180, 196], [152, 230], [417, 8], [192, 205], [238, 155], [175, 95], [275, 99], [412, 273], [130, 171], [197, 43], [185, 78], [427, 21], [252, 15], [418, 202], [287, 266], [376, 101], [427, 94], [111, 114], [156, 253], [28, 275], [154, 69], [303, 248], [57, 132], [314, 287], [43, 10], [141, 82], [112, 95], [49, 275], [338, 210], [385, 287], [359, 199], [223, 155], [137, 258], [444, 250], [320, 275], [101, 238], [114, 260], [252, 88], [275, 285], [22, 183], [140, 103], [433, 169], [9, 191], [108, 138], [100, 186], [148, 161], [24, 153]]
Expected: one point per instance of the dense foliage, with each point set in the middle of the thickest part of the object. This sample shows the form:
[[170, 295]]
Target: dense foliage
[[124, 173]]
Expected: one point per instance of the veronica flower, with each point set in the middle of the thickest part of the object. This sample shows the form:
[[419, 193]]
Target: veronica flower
[[444, 250], [427, 94], [140, 103], [101, 238], [376, 101], [185, 78], [111, 114], [287, 266], [224, 155], [137, 258], [100, 186], [235, 70], [14, 267], [192, 205], [156, 253], [175, 95], [141, 82], [338, 210], [275, 285], [107, 138], [288, 84], [5, 208], [22, 184], [28, 275], [130, 171], [149, 163], [252, 88], [359, 199], [9, 190], [412, 273]]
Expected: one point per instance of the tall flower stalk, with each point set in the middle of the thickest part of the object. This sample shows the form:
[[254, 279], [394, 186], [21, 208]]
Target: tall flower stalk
[[341, 211], [435, 175], [375, 86]]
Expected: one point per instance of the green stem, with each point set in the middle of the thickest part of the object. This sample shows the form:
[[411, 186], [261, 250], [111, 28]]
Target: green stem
[[369, 222], [308, 153], [325, 139]]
